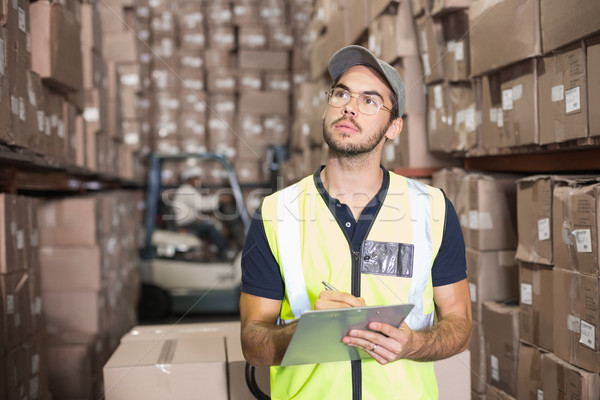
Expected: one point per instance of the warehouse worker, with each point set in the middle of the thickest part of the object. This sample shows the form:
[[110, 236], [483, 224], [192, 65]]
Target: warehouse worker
[[378, 237], [190, 204]]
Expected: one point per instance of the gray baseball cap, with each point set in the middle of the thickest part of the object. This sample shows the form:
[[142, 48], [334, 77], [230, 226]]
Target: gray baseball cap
[[352, 55]]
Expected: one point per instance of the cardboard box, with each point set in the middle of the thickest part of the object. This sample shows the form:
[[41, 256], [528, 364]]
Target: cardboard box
[[91, 27], [486, 209], [529, 372], [56, 45], [37, 365], [561, 380], [120, 47], [519, 88], [270, 60], [71, 356], [534, 219], [70, 310], [565, 23], [492, 276], [16, 373], [431, 47], [461, 99], [69, 221], [222, 81], [575, 225], [455, 31], [267, 102], [593, 81], [400, 27], [222, 37], [563, 95], [5, 105], [252, 37], [537, 299], [501, 327], [507, 19], [576, 322], [71, 268], [132, 371], [439, 127]]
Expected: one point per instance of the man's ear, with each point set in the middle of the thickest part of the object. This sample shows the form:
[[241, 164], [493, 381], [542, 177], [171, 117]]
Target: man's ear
[[395, 128]]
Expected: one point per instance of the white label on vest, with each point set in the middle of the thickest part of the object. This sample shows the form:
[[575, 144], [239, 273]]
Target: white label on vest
[[473, 291], [527, 293], [573, 323], [495, 368], [540, 394], [543, 229], [583, 239], [558, 93], [572, 100], [588, 335], [507, 99]]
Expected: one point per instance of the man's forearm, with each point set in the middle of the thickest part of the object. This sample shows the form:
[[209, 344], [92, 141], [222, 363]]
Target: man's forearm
[[444, 339], [264, 343]]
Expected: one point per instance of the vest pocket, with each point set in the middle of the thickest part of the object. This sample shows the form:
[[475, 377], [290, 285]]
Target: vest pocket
[[387, 258]]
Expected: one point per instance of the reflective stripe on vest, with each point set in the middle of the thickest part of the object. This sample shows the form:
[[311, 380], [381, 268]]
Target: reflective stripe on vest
[[420, 210], [289, 221]]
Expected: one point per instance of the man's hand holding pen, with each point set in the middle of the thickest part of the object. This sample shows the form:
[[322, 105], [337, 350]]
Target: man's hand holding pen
[[331, 298]]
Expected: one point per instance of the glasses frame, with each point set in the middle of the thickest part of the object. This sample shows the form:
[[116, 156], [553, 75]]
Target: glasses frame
[[329, 94]]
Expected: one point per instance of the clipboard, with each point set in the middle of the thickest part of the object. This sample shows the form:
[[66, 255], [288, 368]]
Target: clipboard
[[318, 336]]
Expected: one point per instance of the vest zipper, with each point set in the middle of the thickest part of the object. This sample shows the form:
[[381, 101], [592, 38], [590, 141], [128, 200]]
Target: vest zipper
[[356, 364]]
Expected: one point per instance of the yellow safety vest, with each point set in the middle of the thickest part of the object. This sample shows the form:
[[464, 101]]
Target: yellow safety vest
[[310, 247]]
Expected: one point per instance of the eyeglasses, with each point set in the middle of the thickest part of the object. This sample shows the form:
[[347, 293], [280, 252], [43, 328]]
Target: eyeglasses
[[367, 104]]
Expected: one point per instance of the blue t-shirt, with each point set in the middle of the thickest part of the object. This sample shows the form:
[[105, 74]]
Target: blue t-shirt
[[260, 272]]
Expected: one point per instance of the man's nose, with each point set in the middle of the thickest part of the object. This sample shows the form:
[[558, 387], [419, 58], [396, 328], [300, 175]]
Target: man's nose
[[351, 106]]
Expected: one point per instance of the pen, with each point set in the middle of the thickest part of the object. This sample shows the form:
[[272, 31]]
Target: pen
[[329, 287]]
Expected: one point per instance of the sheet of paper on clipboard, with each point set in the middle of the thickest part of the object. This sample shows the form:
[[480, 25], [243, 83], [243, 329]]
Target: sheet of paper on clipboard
[[318, 336]]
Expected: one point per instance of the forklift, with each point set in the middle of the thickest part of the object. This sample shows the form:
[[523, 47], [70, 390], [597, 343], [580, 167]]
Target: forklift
[[175, 281]]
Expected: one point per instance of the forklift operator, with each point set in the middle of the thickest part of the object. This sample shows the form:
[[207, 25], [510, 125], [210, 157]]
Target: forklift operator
[[190, 203], [378, 237]]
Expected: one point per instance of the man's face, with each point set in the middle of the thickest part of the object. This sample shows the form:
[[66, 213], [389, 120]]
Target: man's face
[[346, 130]]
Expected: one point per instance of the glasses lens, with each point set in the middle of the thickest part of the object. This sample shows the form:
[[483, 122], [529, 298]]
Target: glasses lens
[[338, 97], [368, 105]]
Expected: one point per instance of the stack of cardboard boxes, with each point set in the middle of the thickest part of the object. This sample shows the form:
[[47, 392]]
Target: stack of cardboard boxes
[[23, 358], [89, 283], [215, 76], [54, 100], [486, 207]]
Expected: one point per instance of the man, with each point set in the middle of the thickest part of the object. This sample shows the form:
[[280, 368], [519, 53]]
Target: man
[[376, 236], [189, 204]]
